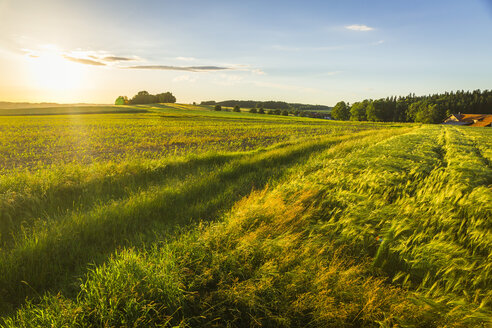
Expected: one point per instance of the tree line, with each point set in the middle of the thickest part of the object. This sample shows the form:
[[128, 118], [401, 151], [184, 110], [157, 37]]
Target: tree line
[[284, 112], [271, 104], [143, 97], [425, 109]]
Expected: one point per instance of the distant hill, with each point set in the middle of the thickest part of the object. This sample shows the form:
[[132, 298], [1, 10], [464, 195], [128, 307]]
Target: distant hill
[[15, 105], [58, 109], [268, 104]]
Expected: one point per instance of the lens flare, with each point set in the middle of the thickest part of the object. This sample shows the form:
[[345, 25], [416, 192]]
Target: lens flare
[[50, 71]]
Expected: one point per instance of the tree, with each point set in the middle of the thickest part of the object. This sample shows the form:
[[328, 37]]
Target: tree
[[143, 97], [285, 112], [430, 108], [253, 110], [166, 97], [121, 100], [424, 112], [217, 108], [341, 111], [375, 111], [237, 109], [358, 111], [261, 111]]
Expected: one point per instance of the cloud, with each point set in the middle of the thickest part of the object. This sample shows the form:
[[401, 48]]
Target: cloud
[[362, 28], [108, 59], [180, 68], [84, 61], [99, 58], [115, 58]]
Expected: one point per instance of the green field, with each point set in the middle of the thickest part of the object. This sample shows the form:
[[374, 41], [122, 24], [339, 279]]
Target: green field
[[175, 215]]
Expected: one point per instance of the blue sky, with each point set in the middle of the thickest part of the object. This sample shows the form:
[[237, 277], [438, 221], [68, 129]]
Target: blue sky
[[312, 52]]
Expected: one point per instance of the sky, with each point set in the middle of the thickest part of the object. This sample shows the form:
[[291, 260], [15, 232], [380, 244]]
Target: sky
[[316, 52]]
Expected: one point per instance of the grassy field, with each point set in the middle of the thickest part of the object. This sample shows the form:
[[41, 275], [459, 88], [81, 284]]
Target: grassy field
[[182, 216]]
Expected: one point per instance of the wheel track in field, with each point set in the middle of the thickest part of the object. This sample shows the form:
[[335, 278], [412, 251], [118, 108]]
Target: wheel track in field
[[475, 145], [434, 189]]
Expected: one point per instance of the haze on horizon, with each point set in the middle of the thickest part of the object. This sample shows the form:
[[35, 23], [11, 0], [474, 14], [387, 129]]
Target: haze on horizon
[[311, 52]]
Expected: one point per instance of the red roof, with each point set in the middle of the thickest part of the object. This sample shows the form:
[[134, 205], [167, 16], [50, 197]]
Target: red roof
[[471, 119]]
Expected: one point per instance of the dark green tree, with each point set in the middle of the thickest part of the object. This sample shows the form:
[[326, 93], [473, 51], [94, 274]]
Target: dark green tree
[[375, 111], [428, 114], [166, 97], [341, 111], [253, 110], [217, 108], [358, 111], [237, 109], [261, 111], [143, 97]]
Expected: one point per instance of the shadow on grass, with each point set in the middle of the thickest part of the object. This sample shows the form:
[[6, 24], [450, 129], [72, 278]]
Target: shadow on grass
[[52, 259]]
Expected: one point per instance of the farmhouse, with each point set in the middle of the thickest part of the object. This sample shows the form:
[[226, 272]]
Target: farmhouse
[[469, 119]]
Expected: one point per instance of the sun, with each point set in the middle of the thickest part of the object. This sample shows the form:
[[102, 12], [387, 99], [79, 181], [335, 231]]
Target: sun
[[51, 71]]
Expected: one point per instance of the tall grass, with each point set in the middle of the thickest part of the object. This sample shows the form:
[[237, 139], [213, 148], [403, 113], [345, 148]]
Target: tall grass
[[59, 246], [246, 264], [388, 228]]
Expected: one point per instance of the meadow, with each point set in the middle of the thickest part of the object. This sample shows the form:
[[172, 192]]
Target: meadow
[[181, 216]]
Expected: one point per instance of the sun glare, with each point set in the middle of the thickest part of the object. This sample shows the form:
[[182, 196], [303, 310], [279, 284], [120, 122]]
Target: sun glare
[[52, 72]]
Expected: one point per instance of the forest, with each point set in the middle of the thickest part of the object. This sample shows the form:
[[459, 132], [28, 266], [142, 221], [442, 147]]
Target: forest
[[271, 104], [424, 109]]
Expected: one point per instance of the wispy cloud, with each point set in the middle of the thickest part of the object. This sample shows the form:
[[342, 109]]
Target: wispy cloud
[[117, 59], [356, 27], [245, 68], [85, 57], [84, 61], [104, 58], [100, 56], [179, 68]]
